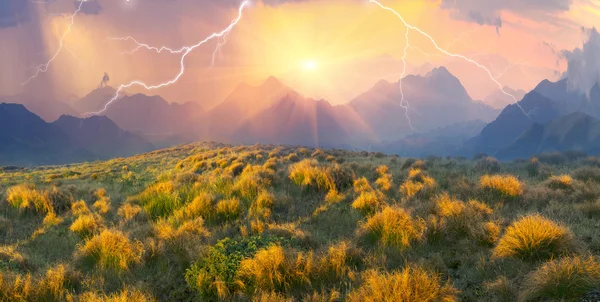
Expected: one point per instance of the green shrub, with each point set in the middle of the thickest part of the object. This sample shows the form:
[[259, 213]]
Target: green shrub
[[214, 274]]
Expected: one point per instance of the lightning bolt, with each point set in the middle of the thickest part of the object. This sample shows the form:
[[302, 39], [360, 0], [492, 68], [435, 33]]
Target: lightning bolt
[[435, 44], [44, 67], [403, 103], [185, 50]]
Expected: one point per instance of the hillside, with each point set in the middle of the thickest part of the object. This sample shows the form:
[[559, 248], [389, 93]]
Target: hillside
[[332, 224]]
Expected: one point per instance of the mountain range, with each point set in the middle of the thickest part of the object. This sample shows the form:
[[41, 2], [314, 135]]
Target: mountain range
[[444, 120], [26, 139], [537, 123]]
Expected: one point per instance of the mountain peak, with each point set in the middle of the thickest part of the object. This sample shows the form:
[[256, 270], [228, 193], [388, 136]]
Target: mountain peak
[[439, 71], [273, 83]]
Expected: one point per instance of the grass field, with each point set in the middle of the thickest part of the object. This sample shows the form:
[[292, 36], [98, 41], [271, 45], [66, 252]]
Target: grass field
[[208, 222]]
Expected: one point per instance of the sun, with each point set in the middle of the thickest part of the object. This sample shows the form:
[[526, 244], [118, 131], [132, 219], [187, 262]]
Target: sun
[[310, 65]]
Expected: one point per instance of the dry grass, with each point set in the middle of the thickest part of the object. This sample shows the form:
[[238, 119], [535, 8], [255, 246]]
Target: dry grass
[[564, 279], [126, 295], [87, 225], [79, 208], [26, 197], [262, 206], [308, 174], [501, 185], [228, 209], [392, 227], [534, 237], [128, 211], [369, 202], [411, 284], [418, 182], [211, 222], [561, 182], [111, 250]]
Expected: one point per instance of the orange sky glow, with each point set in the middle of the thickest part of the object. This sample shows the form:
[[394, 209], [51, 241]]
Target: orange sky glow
[[329, 49]]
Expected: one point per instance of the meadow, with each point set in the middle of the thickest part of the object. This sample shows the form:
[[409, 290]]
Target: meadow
[[212, 222]]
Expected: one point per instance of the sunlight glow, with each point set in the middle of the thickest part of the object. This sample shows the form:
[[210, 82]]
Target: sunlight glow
[[310, 65]]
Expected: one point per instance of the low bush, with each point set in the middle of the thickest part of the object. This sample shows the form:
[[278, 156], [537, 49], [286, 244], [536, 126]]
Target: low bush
[[488, 165]]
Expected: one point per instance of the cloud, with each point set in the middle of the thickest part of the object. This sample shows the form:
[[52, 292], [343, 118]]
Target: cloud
[[13, 12], [488, 12], [89, 7], [583, 69]]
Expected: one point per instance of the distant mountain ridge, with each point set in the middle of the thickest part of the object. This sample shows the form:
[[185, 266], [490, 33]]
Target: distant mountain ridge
[[26, 139], [435, 100], [529, 126], [574, 131]]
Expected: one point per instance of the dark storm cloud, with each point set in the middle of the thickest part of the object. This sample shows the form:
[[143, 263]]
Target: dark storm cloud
[[13, 12], [487, 12], [583, 69], [90, 7]]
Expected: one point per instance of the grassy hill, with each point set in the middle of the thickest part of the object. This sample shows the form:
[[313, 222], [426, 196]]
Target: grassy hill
[[208, 222]]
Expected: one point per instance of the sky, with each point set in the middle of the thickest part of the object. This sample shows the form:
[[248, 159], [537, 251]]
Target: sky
[[325, 49]]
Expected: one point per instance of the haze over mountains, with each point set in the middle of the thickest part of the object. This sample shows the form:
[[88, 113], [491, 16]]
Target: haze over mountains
[[445, 120]]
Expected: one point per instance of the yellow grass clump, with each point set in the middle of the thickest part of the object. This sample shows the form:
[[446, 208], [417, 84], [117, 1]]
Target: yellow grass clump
[[252, 181], [52, 220], [200, 206], [261, 207], [86, 225], [26, 197], [455, 217], [566, 279], [417, 182], [126, 295], [361, 185], [384, 182], [369, 202], [411, 284], [228, 209], [274, 269], [129, 211], [534, 237], [561, 182], [307, 173], [502, 185], [111, 249], [392, 227], [102, 204], [333, 197], [79, 208]]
